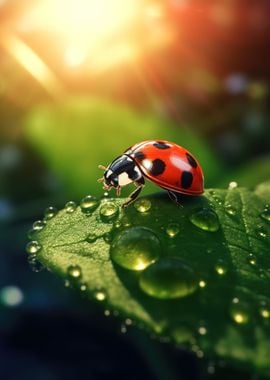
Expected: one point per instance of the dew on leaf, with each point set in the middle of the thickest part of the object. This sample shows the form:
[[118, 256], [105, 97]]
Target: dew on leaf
[[230, 210], [168, 278], [142, 205], [265, 312], [50, 212], [100, 295], [33, 247], [108, 211], [70, 207], [88, 204], [91, 238], [261, 231], [135, 248], [232, 185], [34, 263], [39, 225], [74, 271], [251, 259], [172, 230], [205, 219], [83, 287]]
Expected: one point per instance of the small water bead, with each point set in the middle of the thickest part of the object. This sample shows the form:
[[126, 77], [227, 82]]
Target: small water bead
[[168, 278], [39, 225], [251, 259], [261, 231], [239, 313], [70, 207], [108, 211], [221, 268], [91, 238], [100, 295], [88, 204], [202, 330], [35, 264], [205, 219], [142, 205], [265, 312], [74, 271], [33, 247], [230, 210], [232, 185], [107, 237], [172, 230], [135, 248], [50, 212], [266, 214], [83, 287], [202, 284]]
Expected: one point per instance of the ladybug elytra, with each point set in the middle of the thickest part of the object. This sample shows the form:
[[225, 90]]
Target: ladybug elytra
[[167, 164]]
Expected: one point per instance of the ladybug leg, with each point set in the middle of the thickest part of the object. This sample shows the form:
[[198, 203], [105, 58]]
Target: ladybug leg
[[175, 197], [139, 184]]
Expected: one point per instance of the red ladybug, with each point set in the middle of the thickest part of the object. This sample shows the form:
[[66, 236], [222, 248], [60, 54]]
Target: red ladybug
[[168, 165]]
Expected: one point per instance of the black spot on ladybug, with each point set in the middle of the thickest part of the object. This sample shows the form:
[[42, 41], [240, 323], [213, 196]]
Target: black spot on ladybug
[[186, 179], [158, 167], [139, 155], [191, 160], [161, 145]]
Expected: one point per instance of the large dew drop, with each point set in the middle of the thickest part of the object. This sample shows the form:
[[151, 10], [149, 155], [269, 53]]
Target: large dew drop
[[88, 204], [108, 211], [169, 278], [142, 205], [50, 212], [135, 248], [205, 219]]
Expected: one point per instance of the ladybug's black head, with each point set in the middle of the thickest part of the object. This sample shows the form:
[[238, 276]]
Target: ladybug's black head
[[122, 171]]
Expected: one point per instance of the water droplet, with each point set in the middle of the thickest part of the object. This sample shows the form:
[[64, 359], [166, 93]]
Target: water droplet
[[142, 205], [33, 247], [135, 248], [230, 210], [11, 296], [265, 312], [205, 219], [34, 263], [108, 237], [100, 295], [108, 211], [70, 207], [88, 204], [172, 230], [50, 212], [202, 284], [221, 268], [107, 313], [83, 287], [39, 225], [74, 271], [91, 238], [266, 214], [128, 322], [261, 231], [202, 330], [251, 259], [239, 313], [168, 278], [66, 283], [232, 185]]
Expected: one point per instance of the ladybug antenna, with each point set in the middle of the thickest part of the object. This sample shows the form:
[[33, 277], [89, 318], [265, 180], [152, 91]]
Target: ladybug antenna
[[101, 179], [102, 167]]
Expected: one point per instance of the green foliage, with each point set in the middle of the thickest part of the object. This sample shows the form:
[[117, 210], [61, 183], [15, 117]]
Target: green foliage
[[76, 136], [197, 274]]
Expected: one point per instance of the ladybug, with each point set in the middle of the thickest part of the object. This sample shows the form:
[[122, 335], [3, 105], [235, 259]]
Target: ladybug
[[167, 164]]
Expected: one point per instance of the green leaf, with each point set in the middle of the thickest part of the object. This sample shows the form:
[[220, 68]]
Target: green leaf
[[208, 288], [77, 135]]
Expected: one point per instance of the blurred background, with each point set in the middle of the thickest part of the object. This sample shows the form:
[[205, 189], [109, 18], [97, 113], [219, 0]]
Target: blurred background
[[80, 81]]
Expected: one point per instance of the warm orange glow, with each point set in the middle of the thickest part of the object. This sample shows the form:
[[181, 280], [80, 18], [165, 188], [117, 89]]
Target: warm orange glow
[[29, 60], [85, 22]]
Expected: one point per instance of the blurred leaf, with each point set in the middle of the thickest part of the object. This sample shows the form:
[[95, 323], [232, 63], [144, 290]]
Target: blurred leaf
[[208, 289], [76, 136], [250, 174]]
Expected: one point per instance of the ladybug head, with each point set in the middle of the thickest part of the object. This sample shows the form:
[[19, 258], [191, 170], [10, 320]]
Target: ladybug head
[[121, 172]]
